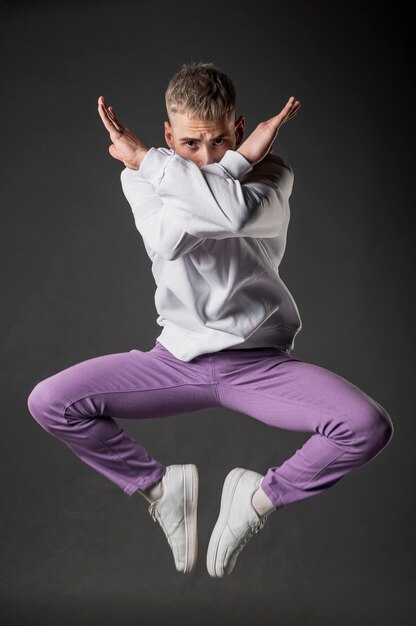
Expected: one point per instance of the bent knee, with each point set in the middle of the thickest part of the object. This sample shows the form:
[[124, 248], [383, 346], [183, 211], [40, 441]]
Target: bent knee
[[376, 428], [43, 405], [36, 400]]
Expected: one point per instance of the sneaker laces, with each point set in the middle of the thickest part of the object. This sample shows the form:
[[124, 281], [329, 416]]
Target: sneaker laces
[[253, 530]]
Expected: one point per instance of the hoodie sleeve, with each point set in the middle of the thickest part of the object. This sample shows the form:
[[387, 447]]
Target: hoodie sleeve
[[231, 198], [153, 218]]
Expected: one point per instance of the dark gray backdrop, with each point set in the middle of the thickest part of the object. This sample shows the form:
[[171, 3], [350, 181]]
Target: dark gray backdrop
[[77, 283]]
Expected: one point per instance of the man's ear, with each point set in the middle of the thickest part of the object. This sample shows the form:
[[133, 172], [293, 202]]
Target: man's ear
[[239, 130], [168, 135]]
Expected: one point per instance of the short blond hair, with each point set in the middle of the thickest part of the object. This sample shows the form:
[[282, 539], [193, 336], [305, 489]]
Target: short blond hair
[[202, 90]]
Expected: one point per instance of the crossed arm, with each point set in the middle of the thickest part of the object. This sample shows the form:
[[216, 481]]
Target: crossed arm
[[177, 205], [154, 220]]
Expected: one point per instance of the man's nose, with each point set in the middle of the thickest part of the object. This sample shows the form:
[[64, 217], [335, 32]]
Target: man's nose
[[206, 159]]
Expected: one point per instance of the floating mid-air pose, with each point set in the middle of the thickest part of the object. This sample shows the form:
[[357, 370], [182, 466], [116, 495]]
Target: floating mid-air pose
[[213, 212]]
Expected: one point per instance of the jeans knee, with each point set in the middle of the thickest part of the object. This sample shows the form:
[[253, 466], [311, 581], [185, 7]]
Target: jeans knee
[[376, 430], [39, 403]]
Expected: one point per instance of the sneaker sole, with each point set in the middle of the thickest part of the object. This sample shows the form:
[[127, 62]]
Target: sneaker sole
[[191, 492], [227, 495]]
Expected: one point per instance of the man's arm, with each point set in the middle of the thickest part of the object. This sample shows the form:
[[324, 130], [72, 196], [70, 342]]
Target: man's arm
[[154, 220], [211, 202]]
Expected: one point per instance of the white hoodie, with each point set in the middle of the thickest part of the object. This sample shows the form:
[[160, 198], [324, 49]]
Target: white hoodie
[[215, 236]]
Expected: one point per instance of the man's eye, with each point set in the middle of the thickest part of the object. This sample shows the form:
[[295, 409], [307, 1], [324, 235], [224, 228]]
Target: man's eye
[[188, 143]]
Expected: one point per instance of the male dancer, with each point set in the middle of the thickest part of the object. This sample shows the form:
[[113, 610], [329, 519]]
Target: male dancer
[[213, 212]]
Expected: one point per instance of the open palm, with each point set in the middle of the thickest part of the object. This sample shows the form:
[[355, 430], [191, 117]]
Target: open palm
[[260, 142], [126, 146]]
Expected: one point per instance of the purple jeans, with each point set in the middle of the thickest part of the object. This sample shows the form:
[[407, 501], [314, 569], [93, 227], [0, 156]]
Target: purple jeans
[[78, 404]]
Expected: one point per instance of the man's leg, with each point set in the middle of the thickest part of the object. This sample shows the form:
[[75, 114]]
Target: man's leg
[[77, 406], [350, 427], [274, 387]]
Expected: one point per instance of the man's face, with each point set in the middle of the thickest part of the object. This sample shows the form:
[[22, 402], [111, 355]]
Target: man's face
[[203, 141]]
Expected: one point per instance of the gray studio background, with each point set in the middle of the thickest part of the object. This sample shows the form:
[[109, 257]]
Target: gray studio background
[[77, 283]]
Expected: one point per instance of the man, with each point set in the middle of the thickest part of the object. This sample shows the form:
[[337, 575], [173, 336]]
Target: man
[[213, 212]]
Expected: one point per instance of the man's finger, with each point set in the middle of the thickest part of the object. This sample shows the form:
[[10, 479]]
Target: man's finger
[[107, 121], [294, 111], [114, 117], [289, 108], [277, 119], [111, 118], [287, 113], [102, 110]]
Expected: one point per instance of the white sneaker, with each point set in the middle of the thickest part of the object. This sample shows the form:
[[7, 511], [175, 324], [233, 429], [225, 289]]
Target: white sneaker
[[238, 521], [176, 512]]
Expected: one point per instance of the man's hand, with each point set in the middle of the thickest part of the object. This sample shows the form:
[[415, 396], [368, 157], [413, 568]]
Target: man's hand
[[126, 146], [260, 142]]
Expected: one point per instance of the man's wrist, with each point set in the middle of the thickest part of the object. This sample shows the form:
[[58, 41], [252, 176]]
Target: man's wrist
[[134, 164], [244, 155]]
